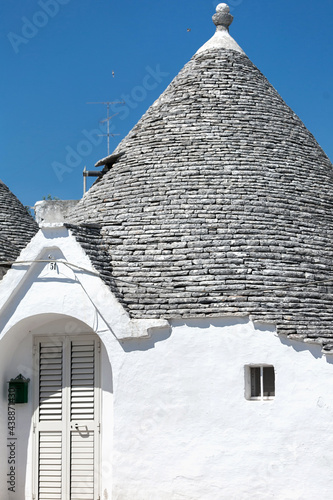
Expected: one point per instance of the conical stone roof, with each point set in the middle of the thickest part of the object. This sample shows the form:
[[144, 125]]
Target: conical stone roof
[[219, 203], [17, 227]]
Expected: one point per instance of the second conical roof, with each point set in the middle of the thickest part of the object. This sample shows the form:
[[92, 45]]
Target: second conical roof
[[17, 226]]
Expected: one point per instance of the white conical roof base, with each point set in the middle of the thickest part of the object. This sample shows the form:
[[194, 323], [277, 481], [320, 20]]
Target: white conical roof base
[[221, 40]]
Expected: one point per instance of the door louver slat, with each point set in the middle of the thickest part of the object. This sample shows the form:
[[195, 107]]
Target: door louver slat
[[82, 465], [82, 380], [50, 456], [50, 381]]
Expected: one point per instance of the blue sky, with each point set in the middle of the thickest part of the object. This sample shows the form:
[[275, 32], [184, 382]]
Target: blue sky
[[58, 55]]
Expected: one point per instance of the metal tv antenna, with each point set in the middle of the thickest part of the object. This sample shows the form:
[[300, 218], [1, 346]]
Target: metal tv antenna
[[107, 119]]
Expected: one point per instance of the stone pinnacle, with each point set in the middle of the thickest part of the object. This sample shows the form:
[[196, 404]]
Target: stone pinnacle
[[222, 19]]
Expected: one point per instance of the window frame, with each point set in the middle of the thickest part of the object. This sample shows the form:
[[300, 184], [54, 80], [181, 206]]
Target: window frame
[[248, 382]]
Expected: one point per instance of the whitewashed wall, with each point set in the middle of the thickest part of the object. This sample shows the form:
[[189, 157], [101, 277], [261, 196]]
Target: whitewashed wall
[[175, 422], [36, 300], [183, 428]]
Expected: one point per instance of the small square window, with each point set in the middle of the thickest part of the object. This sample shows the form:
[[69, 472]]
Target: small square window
[[259, 382]]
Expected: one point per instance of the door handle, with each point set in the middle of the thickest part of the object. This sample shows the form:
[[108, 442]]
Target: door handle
[[81, 429]]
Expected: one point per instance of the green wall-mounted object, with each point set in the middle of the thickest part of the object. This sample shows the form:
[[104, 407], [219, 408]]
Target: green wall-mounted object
[[18, 390]]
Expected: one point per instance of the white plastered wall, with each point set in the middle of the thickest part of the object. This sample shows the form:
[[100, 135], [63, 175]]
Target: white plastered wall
[[38, 298], [175, 422], [183, 428]]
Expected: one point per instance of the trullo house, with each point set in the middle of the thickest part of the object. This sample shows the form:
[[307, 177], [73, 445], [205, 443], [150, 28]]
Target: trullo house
[[170, 335]]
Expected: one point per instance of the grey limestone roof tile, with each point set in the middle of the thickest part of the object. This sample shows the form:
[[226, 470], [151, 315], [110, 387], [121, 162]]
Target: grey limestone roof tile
[[17, 227], [219, 204]]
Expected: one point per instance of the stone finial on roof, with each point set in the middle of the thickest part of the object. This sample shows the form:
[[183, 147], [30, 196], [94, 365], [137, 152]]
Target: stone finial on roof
[[222, 19], [221, 38]]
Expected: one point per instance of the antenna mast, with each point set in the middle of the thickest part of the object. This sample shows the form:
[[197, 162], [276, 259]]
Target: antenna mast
[[107, 119]]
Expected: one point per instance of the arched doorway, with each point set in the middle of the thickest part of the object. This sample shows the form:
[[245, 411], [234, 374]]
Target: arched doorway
[[69, 367]]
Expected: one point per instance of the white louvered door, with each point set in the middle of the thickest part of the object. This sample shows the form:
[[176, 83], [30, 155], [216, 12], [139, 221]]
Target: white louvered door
[[67, 426]]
